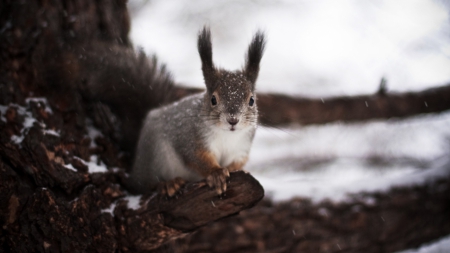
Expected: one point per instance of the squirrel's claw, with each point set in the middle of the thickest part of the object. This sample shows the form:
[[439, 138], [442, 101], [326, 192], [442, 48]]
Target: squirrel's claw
[[171, 187], [218, 180]]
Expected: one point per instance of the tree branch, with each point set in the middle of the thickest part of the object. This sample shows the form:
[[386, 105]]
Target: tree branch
[[349, 109], [160, 219], [382, 105]]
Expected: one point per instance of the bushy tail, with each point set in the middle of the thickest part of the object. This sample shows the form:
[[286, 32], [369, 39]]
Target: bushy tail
[[125, 80], [130, 83]]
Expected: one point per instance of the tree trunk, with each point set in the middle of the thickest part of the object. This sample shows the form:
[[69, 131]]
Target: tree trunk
[[61, 167]]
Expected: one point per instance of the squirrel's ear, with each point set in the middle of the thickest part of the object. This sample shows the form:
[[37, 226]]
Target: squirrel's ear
[[253, 58], [205, 50]]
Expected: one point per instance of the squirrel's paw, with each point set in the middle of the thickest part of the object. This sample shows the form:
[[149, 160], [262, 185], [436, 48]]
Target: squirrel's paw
[[218, 180], [171, 187]]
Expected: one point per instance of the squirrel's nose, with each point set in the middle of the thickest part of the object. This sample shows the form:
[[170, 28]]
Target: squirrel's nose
[[232, 120]]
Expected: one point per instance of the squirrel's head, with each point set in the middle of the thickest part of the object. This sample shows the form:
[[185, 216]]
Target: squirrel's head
[[230, 96]]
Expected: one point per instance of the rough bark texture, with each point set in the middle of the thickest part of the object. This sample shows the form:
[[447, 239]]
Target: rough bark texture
[[159, 219], [52, 203]]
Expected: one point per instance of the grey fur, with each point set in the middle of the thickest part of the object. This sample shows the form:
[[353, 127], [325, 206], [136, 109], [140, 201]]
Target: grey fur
[[171, 135], [162, 146]]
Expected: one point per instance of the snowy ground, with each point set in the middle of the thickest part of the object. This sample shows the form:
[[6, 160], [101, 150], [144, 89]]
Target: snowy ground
[[332, 160], [322, 48]]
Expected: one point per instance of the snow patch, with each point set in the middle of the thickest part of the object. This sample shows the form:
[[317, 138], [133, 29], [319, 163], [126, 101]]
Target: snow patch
[[17, 139], [27, 123], [28, 120], [110, 209], [50, 132], [42, 100], [70, 167], [96, 165], [93, 132], [133, 201], [440, 246]]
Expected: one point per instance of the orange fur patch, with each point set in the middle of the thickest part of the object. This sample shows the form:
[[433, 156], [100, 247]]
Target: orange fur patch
[[204, 163], [235, 166]]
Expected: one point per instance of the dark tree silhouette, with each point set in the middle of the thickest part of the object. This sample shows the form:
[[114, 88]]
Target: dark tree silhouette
[[67, 66]]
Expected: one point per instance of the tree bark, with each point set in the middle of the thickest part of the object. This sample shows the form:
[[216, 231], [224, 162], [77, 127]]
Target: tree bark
[[52, 202], [56, 57], [160, 219]]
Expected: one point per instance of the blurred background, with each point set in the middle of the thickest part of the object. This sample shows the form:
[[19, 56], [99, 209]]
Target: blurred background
[[321, 49], [373, 185], [315, 48]]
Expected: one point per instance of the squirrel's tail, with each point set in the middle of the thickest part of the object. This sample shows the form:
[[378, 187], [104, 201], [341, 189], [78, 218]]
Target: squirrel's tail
[[130, 83], [110, 78]]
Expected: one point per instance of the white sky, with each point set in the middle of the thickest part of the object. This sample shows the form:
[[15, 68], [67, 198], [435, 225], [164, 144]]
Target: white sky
[[315, 48]]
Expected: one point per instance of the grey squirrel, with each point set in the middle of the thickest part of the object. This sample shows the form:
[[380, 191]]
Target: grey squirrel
[[204, 135]]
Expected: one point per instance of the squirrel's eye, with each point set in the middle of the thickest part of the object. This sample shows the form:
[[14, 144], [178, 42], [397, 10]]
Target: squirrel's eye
[[251, 102], [213, 100]]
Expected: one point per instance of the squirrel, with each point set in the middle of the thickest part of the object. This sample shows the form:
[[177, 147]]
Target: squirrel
[[205, 135]]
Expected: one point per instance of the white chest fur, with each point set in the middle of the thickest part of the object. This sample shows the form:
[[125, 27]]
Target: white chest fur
[[229, 146]]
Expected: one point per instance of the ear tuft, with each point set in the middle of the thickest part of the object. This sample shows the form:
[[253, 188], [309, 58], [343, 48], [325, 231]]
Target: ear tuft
[[253, 58], [205, 50]]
